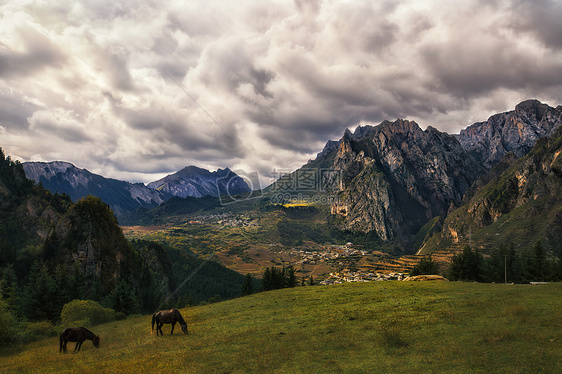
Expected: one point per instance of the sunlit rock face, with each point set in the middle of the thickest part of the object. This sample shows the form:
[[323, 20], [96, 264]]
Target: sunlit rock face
[[515, 131]]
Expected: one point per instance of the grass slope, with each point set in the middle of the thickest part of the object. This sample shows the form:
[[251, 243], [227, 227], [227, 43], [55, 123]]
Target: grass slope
[[389, 327]]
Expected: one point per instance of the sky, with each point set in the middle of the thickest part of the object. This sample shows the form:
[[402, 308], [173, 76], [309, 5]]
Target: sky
[[136, 90]]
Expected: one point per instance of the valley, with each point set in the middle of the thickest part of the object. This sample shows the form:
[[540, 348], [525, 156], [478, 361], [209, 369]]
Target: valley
[[249, 243]]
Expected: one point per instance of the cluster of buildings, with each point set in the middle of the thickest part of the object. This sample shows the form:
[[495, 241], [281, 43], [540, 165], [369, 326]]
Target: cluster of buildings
[[358, 276], [226, 219], [330, 253]]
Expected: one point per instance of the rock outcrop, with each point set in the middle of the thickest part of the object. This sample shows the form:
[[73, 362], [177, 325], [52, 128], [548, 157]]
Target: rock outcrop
[[520, 205], [396, 176], [515, 131]]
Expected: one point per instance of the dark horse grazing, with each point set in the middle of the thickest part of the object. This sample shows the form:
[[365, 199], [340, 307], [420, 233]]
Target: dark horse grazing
[[78, 335], [168, 316]]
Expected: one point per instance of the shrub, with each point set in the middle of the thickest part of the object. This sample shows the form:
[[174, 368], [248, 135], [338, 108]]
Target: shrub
[[86, 312], [38, 330], [426, 265], [8, 328]]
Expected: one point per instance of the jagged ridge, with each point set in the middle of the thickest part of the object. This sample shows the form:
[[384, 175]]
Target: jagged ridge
[[196, 182], [122, 197]]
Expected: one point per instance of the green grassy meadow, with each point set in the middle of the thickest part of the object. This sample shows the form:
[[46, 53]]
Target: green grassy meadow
[[377, 327]]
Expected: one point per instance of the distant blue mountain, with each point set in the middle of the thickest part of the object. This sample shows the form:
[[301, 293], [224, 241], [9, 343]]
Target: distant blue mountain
[[122, 197], [196, 182]]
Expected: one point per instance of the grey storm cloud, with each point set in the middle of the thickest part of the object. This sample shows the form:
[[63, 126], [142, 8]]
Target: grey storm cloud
[[138, 89], [36, 53]]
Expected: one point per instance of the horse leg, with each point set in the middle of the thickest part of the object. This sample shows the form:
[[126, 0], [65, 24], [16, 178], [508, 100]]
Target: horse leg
[[159, 327], [78, 345], [173, 325]]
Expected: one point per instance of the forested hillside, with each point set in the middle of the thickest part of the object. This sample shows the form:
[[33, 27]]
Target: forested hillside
[[53, 251]]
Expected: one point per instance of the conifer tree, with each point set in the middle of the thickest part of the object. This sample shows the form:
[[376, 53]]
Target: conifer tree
[[291, 277], [38, 299], [76, 284], [539, 263], [123, 299], [267, 280], [9, 290], [248, 286], [426, 265]]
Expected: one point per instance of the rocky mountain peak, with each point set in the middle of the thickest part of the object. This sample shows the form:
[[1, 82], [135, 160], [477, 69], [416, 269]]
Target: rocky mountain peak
[[515, 131], [397, 176], [532, 109], [64, 177], [197, 182], [330, 147], [36, 170]]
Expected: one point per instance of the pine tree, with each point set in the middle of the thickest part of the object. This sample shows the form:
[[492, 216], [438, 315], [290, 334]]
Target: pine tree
[[291, 278], [60, 290], [248, 286], [38, 299], [426, 265], [77, 284], [267, 280], [123, 299], [466, 266], [539, 263], [9, 290]]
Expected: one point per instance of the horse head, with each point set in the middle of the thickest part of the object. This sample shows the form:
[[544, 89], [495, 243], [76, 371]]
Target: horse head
[[96, 341], [184, 329]]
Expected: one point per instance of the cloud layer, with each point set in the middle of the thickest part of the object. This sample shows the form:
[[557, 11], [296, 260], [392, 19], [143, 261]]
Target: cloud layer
[[138, 89]]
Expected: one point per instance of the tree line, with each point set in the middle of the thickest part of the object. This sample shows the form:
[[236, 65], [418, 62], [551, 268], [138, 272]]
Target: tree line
[[273, 279], [504, 264]]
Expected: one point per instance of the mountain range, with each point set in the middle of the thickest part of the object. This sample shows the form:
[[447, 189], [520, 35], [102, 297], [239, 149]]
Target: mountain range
[[392, 179], [124, 197], [519, 202], [196, 182], [395, 178]]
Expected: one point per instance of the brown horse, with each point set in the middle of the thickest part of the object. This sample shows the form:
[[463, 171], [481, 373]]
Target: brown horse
[[168, 316], [78, 335]]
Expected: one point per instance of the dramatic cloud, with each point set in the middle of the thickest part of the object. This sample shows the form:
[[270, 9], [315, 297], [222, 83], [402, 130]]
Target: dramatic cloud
[[139, 89]]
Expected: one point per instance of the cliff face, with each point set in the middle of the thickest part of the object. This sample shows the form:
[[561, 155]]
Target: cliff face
[[395, 177], [27, 212], [521, 204], [515, 131], [89, 235]]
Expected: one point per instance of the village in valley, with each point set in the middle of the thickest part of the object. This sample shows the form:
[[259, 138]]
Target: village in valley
[[328, 264]]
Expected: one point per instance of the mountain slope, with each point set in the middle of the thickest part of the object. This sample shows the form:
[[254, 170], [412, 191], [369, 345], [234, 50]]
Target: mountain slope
[[196, 182], [515, 131], [521, 205], [395, 177], [121, 196], [27, 214]]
